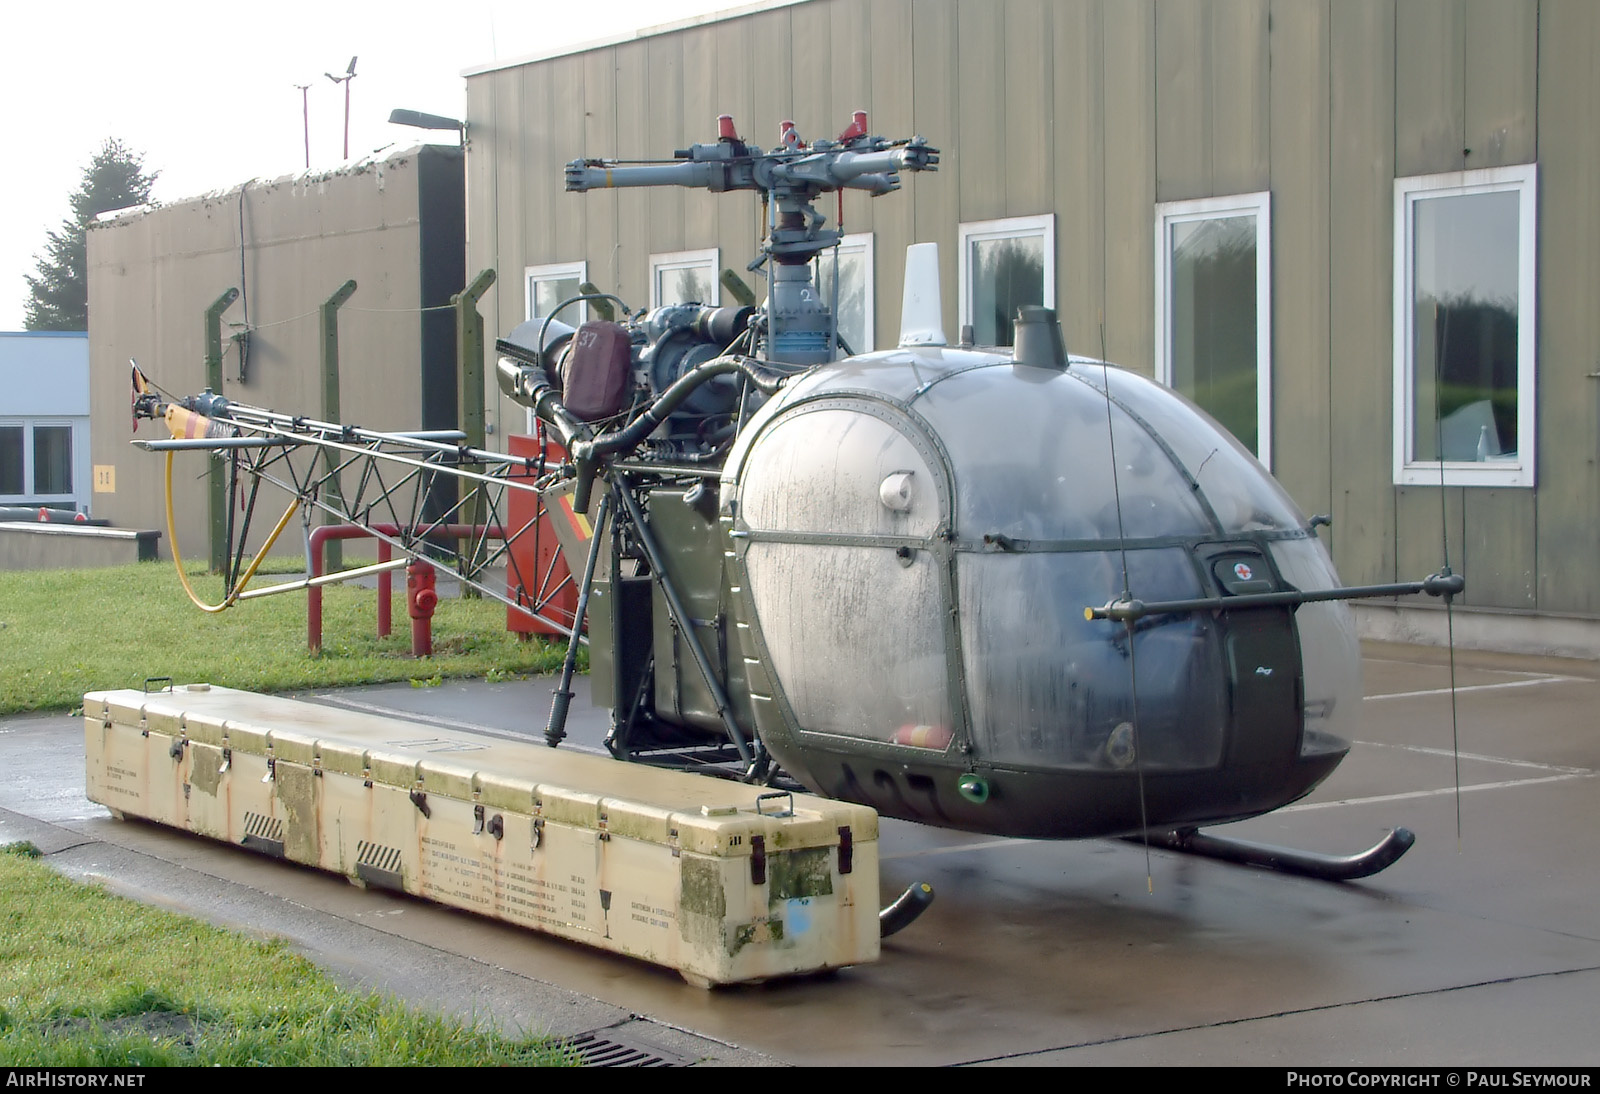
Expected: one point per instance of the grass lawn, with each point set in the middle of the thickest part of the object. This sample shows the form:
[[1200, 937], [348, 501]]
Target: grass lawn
[[90, 980], [65, 632], [87, 979]]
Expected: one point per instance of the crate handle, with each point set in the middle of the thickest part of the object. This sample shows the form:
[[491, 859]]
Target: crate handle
[[789, 812]]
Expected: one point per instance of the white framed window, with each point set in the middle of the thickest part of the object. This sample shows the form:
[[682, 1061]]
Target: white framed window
[[1214, 310], [40, 462], [1464, 311], [685, 277], [549, 285], [1004, 265], [854, 310]]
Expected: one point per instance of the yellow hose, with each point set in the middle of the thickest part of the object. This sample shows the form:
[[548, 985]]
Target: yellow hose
[[177, 559]]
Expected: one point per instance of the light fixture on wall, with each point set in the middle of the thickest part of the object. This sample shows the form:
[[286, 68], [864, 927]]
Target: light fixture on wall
[[419, 120]]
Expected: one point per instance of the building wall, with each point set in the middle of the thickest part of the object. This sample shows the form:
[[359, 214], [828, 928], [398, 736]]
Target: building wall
[[45, 378], [1095, 111], [391, 226]]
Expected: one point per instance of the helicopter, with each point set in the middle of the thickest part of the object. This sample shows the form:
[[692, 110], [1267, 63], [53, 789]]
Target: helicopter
[[999, 589]]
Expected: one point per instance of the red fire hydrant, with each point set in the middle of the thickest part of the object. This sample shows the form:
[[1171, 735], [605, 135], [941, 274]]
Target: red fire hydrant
[[421, 598]]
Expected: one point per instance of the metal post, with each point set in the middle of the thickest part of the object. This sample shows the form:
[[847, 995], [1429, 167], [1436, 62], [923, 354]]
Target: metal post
[[601, 308], [219, 488], [330, 406], [470, 393]]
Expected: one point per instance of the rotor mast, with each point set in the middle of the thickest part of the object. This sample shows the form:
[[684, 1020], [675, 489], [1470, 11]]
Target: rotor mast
[[791, 177]]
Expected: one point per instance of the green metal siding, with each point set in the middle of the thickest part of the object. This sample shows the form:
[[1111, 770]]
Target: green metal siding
[[1094, 110]]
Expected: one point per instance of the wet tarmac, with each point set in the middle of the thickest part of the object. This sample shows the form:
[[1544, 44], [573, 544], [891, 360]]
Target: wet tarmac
[[1478, 950]]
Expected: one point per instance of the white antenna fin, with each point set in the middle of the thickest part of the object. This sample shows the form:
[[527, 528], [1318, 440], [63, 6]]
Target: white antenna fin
[[921, 309]]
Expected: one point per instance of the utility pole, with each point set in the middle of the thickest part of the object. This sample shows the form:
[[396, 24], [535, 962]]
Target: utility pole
[[305, 116], [349, 74]]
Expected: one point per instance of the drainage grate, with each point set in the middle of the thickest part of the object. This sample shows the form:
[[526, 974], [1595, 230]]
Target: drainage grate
[[379, 865], [263, 833], [594, 1050]]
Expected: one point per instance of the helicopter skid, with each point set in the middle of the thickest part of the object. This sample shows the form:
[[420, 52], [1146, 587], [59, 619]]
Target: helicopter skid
[[905, 909], [1190, 841]]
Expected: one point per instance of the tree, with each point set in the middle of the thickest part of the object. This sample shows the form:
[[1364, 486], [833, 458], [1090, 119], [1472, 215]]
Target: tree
[[58, 296]]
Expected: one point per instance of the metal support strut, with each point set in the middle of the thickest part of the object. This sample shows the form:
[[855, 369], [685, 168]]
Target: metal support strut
[[556, 729], [658, 571]]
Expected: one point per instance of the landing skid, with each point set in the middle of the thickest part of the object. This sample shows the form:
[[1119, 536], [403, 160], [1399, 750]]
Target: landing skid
[[905, 909], [1385, 853]]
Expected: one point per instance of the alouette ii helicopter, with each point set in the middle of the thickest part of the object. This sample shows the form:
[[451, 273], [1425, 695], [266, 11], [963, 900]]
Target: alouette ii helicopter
[[996, 589]]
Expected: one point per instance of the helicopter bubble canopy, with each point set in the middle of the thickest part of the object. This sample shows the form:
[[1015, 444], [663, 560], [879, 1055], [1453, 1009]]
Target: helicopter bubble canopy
[[918, 533]]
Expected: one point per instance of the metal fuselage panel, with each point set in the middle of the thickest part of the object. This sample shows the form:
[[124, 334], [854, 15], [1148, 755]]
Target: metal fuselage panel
[[913, 539]]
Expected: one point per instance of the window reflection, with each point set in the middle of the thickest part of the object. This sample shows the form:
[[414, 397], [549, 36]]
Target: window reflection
[[1213, 319], [11, 459], [1005, 265], [854, 308], [1213, 285], [52, 459], [548, 295], [1465, 361], [1007, 274], [550, 285], [1464, 330], [684, 277]]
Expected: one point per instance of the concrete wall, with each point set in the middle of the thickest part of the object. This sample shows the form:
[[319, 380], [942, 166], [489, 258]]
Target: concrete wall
[[393, 226], [1095, 111], [66, 547]]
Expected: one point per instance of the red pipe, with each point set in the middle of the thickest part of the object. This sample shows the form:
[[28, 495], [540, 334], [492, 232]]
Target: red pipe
[[385, 587], [323, 533]]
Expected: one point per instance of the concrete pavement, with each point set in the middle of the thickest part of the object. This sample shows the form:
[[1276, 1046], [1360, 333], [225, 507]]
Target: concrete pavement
[[1486, 951]]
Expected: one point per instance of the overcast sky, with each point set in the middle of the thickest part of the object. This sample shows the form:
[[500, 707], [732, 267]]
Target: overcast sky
[[207, 91]]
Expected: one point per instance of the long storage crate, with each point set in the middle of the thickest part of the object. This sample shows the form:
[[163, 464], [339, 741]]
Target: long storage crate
[[721, 881]]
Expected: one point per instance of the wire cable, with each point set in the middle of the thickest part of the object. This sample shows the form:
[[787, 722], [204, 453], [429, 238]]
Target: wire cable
[[177, 558]]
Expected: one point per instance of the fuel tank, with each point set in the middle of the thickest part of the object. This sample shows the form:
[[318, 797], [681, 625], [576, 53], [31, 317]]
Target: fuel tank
[[914, 537]]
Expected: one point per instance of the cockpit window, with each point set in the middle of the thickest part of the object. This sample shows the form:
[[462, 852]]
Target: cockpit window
[[1048, 687], [1244, 497], [1037, 467]]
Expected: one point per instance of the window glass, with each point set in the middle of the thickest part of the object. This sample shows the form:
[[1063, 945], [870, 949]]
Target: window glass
[[1213, 311], [52, 459], [1330, 649], [1056, 456], [549, 285], [856, 638], [1050, 688], [855, 290], [1005, 265], [1232, 484], [684, 277], [549, 293], [1007, 274], [1464, 327], [11, 459], [1464, 339]]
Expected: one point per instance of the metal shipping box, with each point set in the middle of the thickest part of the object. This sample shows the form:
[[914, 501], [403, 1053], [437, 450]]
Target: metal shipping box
[[721, 881]]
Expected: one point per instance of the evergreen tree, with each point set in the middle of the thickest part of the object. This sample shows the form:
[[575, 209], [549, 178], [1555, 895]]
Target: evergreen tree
[[58, 296]]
